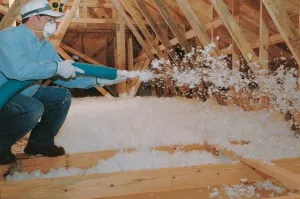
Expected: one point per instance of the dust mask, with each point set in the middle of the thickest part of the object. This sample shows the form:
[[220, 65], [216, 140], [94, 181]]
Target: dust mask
[[49, 29]]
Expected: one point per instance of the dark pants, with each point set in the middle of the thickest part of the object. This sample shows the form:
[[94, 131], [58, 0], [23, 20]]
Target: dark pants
[[22, 114]]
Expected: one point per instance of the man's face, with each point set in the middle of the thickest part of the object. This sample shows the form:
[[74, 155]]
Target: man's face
[[41, 21]]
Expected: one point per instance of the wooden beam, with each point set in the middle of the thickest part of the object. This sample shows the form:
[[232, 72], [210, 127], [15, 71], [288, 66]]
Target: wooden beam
[[129, 183], [129, 23], [286, 27], [12, 14], [79, 54], [156, 28], [26, 163], [88, 59], [264, 37], [138, 20], [120, 58], [285, 176], [286, 197], [198, 28], [172, 25], [58, 36], [234, 30]]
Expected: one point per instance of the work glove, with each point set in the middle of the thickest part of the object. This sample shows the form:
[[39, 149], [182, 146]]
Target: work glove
[[104, 82], [66, 70]]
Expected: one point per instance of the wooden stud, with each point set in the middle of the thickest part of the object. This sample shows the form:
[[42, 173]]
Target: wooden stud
[[12, 14], [172, 25], [199, 29], [263, 37], [133, 29]]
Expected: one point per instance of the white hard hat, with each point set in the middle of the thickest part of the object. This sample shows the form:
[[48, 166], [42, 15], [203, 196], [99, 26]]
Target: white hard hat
[[37, 7]]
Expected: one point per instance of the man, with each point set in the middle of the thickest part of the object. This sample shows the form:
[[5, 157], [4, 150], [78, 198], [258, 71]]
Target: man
[[25, 54]]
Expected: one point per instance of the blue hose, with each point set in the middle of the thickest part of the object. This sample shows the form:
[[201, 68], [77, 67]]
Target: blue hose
[[11, 87], [97, 71]]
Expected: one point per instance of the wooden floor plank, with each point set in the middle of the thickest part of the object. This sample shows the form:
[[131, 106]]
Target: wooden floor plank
[[128, 183]]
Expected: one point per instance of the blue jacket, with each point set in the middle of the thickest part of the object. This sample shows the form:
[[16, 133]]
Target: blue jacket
[[24, 57]]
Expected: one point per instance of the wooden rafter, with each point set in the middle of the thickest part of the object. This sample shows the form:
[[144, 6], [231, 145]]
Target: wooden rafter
[[172, 25], [199, 29], [138, 20], [285, 26], [129, 23], [155, 27], [12, 14], [234, 30]]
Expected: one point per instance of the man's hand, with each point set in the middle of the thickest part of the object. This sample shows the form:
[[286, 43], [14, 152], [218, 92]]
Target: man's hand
[[66, 70]]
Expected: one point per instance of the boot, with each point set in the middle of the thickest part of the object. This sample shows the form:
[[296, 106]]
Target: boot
[[6, 157], [49, 151]]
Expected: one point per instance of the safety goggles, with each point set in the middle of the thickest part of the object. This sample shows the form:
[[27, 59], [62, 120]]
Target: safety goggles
[[49, 18]]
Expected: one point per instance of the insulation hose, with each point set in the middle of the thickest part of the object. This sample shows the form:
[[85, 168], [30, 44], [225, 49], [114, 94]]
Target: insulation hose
[[11, 87]]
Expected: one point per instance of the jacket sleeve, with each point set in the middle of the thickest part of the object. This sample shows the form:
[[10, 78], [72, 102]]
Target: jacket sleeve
[[14, 63]]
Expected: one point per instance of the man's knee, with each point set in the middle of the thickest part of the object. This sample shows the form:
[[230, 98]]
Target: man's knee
[[35, 112], [66, 96]]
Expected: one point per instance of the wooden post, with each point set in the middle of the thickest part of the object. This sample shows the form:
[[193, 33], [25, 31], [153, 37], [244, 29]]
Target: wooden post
[[121, 53], [130, 53], [263, 37]]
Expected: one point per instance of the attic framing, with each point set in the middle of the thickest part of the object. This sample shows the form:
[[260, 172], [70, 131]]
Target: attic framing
[[144, 30]]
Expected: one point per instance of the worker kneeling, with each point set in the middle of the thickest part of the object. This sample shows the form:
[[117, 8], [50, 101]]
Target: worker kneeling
[[25, 54]]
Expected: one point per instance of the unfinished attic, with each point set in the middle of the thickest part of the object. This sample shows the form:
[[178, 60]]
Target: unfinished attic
[[170, 99]]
